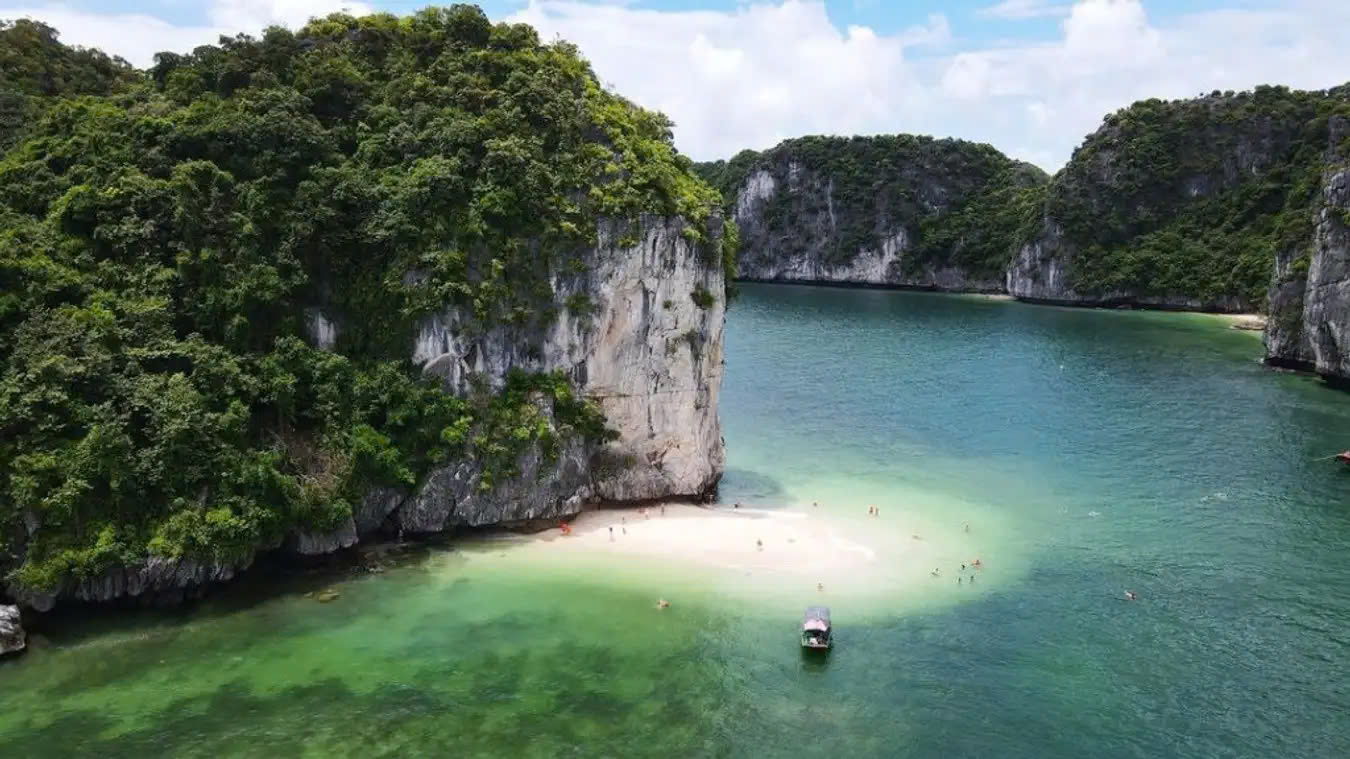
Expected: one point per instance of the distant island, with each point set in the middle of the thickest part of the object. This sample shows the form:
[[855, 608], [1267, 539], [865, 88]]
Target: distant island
[[1229, 202]]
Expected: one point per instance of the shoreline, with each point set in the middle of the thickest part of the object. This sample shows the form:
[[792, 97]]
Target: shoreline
[[1003, 295]]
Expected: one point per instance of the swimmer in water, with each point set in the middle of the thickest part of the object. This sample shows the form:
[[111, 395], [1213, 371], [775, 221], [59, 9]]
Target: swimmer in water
[[966, 526], [963, 567], [977, 563], [611, 533], [820, 586], [759, 544], [813, 503], [1130, 595], [662, 604], [936, 572], [958, 579]]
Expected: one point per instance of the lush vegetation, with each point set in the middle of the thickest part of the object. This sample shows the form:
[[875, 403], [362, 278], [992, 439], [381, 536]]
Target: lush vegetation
[[1194, 197], [959, 202], [164, 234], [35, 66]]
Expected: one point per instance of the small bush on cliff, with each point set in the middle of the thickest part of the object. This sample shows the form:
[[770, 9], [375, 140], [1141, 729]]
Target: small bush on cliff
[[166, 235]]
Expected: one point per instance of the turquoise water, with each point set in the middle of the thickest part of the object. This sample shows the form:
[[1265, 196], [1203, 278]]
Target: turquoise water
[[1089, 452]]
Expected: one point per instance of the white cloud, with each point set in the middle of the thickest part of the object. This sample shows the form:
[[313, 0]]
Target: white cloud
[[138, 36], [1019, 9], [772, 69]]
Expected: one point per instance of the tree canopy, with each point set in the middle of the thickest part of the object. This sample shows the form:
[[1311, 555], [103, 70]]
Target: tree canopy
[[165, 235], [1194, 197]]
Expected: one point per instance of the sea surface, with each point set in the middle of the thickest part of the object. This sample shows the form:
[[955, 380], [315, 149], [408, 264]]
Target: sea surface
[[1087, 452]]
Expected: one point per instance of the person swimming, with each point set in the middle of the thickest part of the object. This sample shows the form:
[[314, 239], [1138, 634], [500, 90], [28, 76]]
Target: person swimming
[[1130, 595], [662, 604], [936, 572], [611, 533], [820, 586], [977, 563], [965, 526], [759, 544]]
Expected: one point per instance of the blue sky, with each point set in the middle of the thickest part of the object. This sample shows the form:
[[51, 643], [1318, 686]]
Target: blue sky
[[1030, 77]]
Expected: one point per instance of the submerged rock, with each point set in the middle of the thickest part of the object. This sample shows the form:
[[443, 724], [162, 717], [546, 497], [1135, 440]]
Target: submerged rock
[[12, 638]]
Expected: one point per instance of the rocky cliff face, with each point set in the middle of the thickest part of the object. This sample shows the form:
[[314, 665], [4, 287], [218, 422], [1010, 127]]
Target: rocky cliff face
[[646, 345], [1309, 326], [647, 350], [12, 637], [860, 210]]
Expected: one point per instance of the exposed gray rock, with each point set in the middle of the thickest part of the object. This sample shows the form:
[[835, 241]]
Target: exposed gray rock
[[647, 353], [1040, 272], [323, 331], [544, 489], [378, 504], [1309, 326], [157, 579], [12, 637], [804, 245], [308, 543]]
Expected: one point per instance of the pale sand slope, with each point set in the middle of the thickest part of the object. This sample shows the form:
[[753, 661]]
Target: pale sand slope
[[751, 549]]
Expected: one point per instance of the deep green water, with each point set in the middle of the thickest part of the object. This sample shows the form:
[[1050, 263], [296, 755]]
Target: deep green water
[[1091, 451]]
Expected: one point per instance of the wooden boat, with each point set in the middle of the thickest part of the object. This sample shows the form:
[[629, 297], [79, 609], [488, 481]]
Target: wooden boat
[[816, 631]]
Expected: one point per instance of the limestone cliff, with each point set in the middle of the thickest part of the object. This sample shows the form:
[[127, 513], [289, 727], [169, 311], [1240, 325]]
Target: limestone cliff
[[12, 637], [1309, 326], [647, 350], [644, 340], [893, 210]]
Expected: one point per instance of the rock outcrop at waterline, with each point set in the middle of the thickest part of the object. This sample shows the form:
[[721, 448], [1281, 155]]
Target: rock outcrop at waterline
[[1310, 299], [12, 637]]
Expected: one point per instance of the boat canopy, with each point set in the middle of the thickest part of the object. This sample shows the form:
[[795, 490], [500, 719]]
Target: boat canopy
[[816, 618]]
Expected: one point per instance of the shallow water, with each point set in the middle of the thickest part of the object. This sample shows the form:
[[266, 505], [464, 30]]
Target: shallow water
[[1090, 452]]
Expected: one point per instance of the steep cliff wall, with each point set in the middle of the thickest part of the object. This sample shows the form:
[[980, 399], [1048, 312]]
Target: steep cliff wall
[[895, 210], [1309, 325], [648, 348]]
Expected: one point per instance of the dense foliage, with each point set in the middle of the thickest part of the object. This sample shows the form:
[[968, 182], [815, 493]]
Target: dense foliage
[[960, 202], [34, 66], [1193, 197], [164, 235]]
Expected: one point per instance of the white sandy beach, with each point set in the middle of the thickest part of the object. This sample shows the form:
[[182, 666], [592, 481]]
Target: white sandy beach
[[759, 550]]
